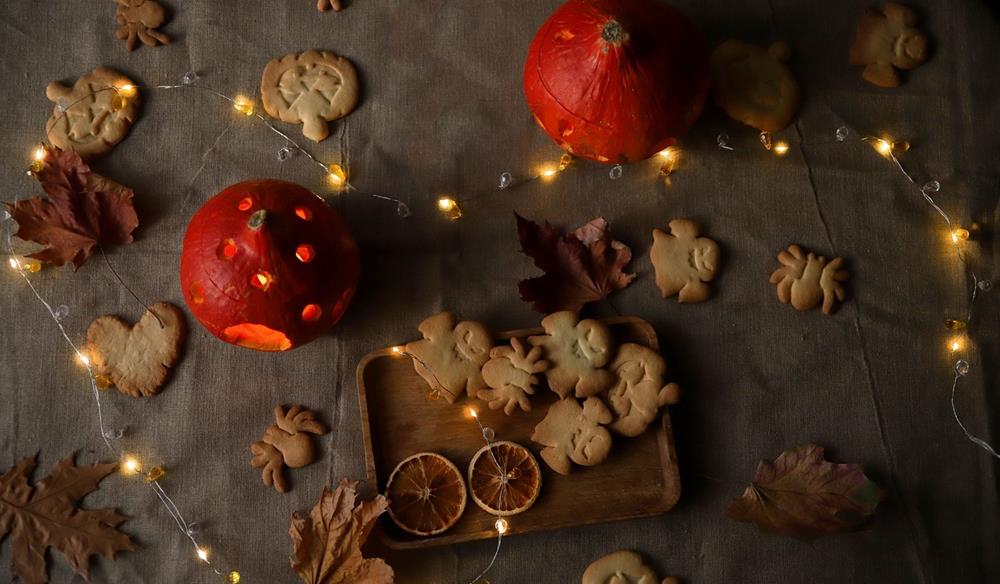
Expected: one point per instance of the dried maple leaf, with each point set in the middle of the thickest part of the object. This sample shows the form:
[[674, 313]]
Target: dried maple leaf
[[83, 210], [45, 515], [804, 496], [580, 267], [327, 544]]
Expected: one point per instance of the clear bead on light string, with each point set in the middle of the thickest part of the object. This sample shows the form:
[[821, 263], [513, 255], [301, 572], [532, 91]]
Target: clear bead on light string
[[616, 172], [564, 161], [842, 133], [402, 209], [722, 140], [189, 78], [985, 285], [61, 312], [285, 153], [765, 140], [489, 434], [962, 367], [931, 186], [505, 180]]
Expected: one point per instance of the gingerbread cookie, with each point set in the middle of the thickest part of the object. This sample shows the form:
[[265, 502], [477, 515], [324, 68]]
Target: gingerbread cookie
[[639, 393], [450, 357], [888, 40], [807, 280], [684, 262], [138, 21], [576, 351], [137, 358], [754, 85], [571, 433], [511, 374], [324, 5], [310, 88], [623, 567], [97, 118], [286, 443]]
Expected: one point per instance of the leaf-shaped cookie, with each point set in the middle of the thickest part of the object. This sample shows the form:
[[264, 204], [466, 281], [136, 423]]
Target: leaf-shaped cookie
[[83, 210], [326, 544], [45, 515], [802, 495]]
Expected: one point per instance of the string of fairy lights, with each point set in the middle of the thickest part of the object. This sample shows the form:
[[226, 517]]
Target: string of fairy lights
[[958, 343]]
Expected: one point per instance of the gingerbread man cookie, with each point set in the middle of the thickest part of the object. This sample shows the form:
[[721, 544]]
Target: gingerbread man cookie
[[623, 567], [754, 85], [286, 443], [138, 21], [310, 88], [684, 262], [577, 351], [640, 392], [807, 280], [98, 116], [451, 356], [887, 40], [572, 433], [511, 374]]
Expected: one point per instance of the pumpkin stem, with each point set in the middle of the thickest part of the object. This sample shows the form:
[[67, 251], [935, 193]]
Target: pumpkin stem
[[257, 220], [614, 33]]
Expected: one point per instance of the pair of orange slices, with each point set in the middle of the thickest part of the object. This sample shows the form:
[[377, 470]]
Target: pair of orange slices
[[427, 493]]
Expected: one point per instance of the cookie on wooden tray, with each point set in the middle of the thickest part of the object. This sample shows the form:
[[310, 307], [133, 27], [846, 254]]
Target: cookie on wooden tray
[[888, 40], [97, 116], [451, 356], [577, 351], [684, 262], [573, 433], [137, 358], [754, 85], [512, 374], [639, 393], [310, 88], [807, 280]]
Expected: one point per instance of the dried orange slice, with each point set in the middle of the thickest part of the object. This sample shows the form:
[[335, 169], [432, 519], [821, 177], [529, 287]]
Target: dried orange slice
[[504, 479], [426, 494]]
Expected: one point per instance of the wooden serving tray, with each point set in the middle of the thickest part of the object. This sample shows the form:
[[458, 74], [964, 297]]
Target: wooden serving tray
[[638, 479]]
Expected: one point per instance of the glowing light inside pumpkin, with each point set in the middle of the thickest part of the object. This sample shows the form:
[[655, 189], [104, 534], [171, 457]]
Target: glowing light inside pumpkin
[[227, 249], [245, 204], [261, 280], [312, 313], [305, 253], [303, 213], [197, 293], [257, 336]]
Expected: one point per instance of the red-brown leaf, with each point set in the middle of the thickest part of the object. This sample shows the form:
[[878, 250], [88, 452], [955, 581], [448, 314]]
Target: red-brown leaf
[[326, 544], [804, 496], [580, 267], [83, 210], [45, 515]]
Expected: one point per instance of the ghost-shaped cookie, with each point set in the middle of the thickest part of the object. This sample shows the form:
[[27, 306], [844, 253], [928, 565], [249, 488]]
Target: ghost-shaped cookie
[[888, 40], [637, 397], [684, 262], [512, 374], [754, 85], [577, 351], [623, 567], [451, 356], [574, 433]]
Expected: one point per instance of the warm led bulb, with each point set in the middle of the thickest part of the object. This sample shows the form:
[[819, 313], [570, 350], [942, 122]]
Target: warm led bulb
[[38, 155], [780, 148], [131, 465], [959, 234], [83, 359], [13, 263], [883, 147], [955, 344], [202, 554], [446, 204], [128, 90], [337, 176], [548, 172], [501, 526], [244, 105], [668, 153], [397, 351], [449, 208], [473, 413]]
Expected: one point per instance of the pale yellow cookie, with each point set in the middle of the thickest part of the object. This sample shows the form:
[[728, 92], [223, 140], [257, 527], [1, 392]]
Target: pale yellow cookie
[[577, 351], [887, 40], [684, 262], [639, 393], [137, 358], [806, 280], [97, 116], [310, 88], [451, 356], [511, 374], [571, 433], [622, 567], [753, 85]]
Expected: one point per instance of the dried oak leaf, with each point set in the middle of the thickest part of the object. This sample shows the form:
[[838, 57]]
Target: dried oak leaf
[[802, 495], [83, 210], [327, 544], [45, 515], [580, 267]]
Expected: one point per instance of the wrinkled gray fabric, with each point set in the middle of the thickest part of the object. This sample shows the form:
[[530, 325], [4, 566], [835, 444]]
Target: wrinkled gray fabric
[[442, 112]]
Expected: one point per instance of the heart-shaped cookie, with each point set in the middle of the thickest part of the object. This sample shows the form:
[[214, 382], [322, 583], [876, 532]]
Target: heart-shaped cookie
[[137, 358]]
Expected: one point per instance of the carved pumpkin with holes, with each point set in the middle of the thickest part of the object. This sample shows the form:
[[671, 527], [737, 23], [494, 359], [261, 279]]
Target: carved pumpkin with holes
[[267, 265]]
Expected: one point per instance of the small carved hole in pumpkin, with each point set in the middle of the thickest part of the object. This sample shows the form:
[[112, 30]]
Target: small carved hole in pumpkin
[[305, 253], [261, 280], [303, 213], [197, 293], [312, 312], [257, 336], [227, 249], [245, 204]]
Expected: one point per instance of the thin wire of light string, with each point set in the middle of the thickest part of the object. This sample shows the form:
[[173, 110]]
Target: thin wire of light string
[[106, 433]]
